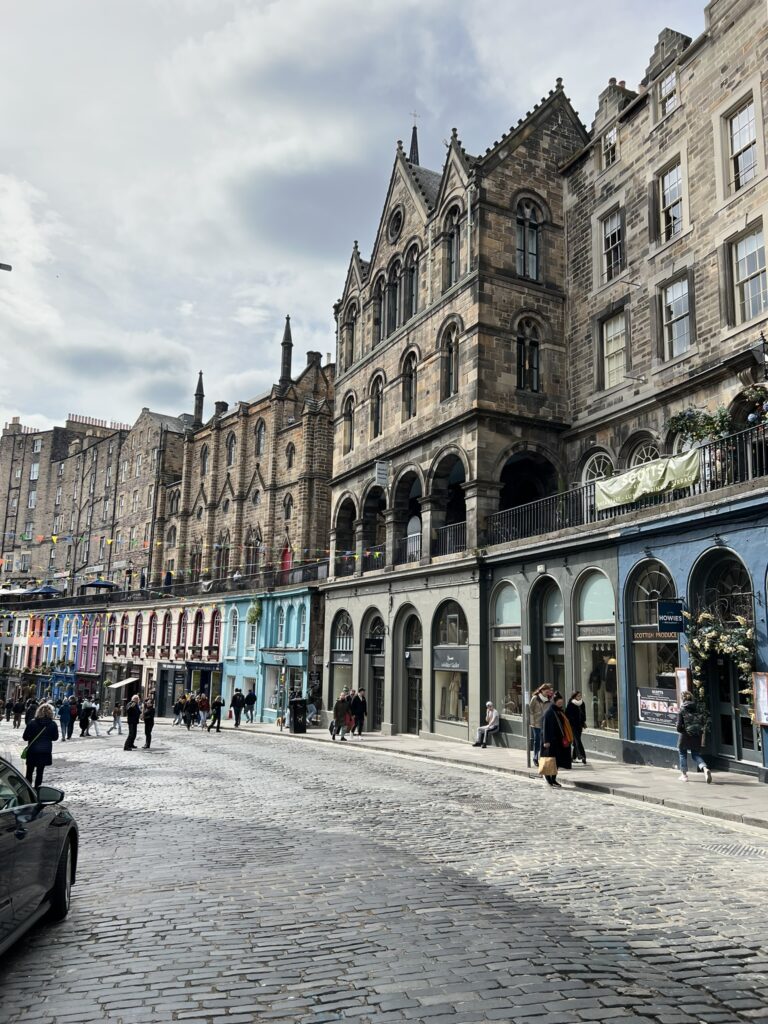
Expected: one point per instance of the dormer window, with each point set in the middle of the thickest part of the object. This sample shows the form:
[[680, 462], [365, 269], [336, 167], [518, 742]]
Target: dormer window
[[668, 97], [610, 147]]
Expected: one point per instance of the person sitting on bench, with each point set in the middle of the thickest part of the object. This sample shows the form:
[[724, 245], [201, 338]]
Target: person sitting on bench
[[491, 725]]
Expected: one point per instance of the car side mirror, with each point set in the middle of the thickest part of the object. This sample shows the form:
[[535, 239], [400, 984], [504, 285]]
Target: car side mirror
[[49, 795]]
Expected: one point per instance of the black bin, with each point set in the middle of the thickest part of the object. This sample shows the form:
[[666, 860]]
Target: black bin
[[298, 715]]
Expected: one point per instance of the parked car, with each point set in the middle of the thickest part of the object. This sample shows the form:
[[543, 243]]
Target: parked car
[[38, 855]]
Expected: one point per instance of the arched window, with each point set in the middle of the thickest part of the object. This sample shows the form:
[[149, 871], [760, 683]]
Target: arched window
[[349, 336], [111, 629], [251, 552], [214, 633], [449, 631], [231, 450], [599, 466], [175, 502], [170, 538], [195, 560], [290, 455], [234, 622], [166, 634], [450, 362], [302, 625], [393, 297], [204, 460], [342, 637], [289, 627], [528, 239], [138, 629], [181, 631], [280, 625], [378, 312], [411, 284], [377, 407], [646, 451], [596, 639], [348, 439], [124, 630], [288, 507], [222, 554], [654, 658], [409, 387], [261, 437], [152, 639], [197, 630], [506, 637], [452, 247], [527, 355]]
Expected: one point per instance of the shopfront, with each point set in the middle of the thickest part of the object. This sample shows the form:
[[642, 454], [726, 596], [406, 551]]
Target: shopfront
[[450, 669], [413, 675], [654, 654], [342, 651], [284, 674], [171, 685], [597, 670], [507, 651], [204, 677], [373, 654]]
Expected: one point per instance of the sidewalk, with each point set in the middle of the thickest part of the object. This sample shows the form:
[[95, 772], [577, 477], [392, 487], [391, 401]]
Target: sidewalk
[[730, 797]]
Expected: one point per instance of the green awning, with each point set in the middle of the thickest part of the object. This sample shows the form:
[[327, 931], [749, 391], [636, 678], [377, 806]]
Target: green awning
[[652, 478]]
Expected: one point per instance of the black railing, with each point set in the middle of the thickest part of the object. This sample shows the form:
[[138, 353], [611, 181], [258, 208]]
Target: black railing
[[344, 565], [450, 540], [374, 557], [737, 459], [408, 549]]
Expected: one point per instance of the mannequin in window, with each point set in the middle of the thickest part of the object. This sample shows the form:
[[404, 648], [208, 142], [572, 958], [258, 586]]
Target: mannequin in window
[[454, 691]]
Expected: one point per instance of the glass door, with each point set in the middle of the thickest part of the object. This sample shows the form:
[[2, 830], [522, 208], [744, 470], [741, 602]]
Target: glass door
[[733, 733], [377, 699], [413, 709]]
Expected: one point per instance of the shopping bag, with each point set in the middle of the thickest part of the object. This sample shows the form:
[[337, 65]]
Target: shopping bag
[[547, 766]]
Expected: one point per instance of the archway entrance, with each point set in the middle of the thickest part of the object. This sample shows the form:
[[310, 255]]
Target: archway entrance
[[449, 510], [526, 477], [374, 529], [345, 539], [373, 652], [407, 503], [413, 675]]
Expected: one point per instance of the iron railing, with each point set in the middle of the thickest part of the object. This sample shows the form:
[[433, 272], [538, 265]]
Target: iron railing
[[408, 549], [737, 459], [374, 557], [449, 540], [345, 565]]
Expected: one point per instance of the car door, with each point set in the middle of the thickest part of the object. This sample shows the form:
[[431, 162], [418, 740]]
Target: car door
[[7, 861], [32, 848]]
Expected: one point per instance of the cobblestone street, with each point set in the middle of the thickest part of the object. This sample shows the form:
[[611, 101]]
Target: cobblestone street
[[239, 878]]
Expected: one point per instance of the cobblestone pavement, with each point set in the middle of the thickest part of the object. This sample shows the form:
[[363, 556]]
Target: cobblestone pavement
[[240, 878]]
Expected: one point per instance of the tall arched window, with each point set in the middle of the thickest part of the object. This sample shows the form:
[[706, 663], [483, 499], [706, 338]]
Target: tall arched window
[[204, 460], [181, 632], [528, 239], [152, 638], [231, 450], [222, 554], [527, 355], [288, 507], [261, 437], [197, 630], [280, 625], [195, 560], [377, 407], [214, 633], [290, 455], [170, 538], [450, 362], [452, 247], [506, 637], [302, 631], [411, 284], [596, 638], [349, 336], [393, 297], [166, 634], [348, 440], [234, 622], [655, 656], [138, 629], [124, 630], [409, 387], [111, 629], [251, 552], [378, 312]]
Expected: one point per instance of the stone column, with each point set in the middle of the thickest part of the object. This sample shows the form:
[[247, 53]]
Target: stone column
[[358, 527]]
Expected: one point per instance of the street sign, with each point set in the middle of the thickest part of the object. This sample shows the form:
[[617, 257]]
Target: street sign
[[671, 619]]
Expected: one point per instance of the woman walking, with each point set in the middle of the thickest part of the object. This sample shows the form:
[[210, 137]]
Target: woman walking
[[117, 719], [340, 712], [556, 740], [149, 722], [215, 719], [536, 708], [576, 714], [40, 734], [691, 726]]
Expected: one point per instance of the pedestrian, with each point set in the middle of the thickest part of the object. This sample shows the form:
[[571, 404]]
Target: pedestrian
[[149, 722], [40, 735], [250, 701], [95, 718], [215, 718], [237, 704], [132, 716], [8, 709], [190, 712], [2, 708], [340, 712], [203, 707], [691, 726], [359, 708], [18, 711], [536, 708], [74, 713], [491, 725], [178, 710], [576, 713], [30, 710], [84, 720], [117, 719], [556, 740], [64, 716]]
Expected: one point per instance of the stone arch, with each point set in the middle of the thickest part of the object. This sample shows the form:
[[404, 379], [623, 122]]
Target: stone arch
[[526, 475], [522, 194], [374, 508], [452, 320], [639, 444], [721, 583]]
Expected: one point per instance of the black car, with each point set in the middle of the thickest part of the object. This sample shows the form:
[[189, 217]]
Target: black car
[[38, 854]]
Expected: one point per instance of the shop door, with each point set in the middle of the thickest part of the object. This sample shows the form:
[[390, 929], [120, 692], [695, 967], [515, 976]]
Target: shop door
[[733, 734], [377, 698], [413, 708]]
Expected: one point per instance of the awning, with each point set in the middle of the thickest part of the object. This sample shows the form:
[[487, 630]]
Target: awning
[[123, 682], [102, 583]]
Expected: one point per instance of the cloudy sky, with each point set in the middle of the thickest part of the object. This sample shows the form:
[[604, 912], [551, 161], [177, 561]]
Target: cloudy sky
[[177, 175]]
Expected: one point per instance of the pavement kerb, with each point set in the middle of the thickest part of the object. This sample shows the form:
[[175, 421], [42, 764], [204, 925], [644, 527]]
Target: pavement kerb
[[583, 786]]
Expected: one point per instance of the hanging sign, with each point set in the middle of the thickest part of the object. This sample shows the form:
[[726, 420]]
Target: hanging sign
[[373, 645], [380, 473], [671, 619]]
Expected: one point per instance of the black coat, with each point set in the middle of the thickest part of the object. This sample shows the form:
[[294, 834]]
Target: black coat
[[685, 739], [149, 718], [41, 734], [133, 713], [552, 732], [250, 698], [359, 706], [577, 716]]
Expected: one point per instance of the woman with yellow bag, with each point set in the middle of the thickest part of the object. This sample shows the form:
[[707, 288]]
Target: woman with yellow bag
[[556, 741]]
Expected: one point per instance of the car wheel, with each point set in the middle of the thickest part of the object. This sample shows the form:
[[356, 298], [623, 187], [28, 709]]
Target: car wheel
[[61, 894]]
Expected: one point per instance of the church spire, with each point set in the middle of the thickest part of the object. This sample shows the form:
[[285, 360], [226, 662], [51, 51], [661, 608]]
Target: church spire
[[413, 155], [285, 362], [199, 396]]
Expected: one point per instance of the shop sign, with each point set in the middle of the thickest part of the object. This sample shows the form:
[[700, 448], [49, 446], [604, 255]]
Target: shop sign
[[451, 659], [373, 644], [380, 473], [554, 632], [594, 631], [657, 707], [341, 657], [671, 617], [507, 633], [650, 634], [203, 666]]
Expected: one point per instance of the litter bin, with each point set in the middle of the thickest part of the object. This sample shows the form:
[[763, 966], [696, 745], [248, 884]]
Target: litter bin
[[298, 715]]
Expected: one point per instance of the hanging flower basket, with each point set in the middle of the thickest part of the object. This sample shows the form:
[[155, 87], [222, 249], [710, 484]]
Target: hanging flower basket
[[708, 634], [696, 425]]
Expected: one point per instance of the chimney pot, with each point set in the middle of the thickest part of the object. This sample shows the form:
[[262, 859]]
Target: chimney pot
[[611, 81]]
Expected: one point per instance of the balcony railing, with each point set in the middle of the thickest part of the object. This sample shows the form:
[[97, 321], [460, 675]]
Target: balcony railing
[[345, 565], [374, 557], [408, 549], [737, 459], [449, 540]]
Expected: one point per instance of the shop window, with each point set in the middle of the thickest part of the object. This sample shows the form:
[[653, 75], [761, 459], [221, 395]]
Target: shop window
[[655, 655], [507, 648], [450, 663], [596, 637]]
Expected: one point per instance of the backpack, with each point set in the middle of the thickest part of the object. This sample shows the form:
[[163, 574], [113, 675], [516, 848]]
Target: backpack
[[694, 720]]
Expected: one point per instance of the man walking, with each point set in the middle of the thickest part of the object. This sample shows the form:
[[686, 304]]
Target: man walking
[[691, 725], [64, 716], [237, 704], [250, 701], [216, 707], [537, 705], [18, 711], [149, 722], [359, 708], [203, 707], [132, 716], [491, 725]]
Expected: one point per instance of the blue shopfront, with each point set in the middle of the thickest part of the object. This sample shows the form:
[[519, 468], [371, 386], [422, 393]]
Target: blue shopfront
[[715, 564]]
